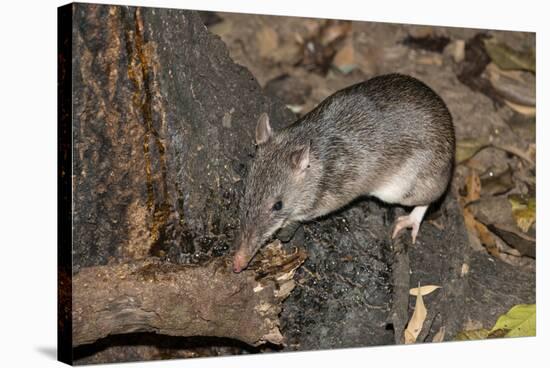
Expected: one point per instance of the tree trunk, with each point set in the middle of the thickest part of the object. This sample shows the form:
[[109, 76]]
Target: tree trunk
[[163, 124]]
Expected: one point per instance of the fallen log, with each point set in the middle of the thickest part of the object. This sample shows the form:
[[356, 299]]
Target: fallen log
[[185, 300]]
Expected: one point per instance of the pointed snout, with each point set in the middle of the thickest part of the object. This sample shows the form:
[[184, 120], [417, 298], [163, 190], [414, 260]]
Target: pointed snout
[[240, 261], [242, 255], [247, 245]]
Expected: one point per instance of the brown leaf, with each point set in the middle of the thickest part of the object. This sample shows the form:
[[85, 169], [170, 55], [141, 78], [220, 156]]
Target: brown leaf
[[484, 235], [464, 269], [424, 290], [440, 335], [487, 239], [432, 59], [416, 322], [335, 31], [473, 187], [267, 40], [516, 86], [470, 221], [344, 60], [522, 109], [457, 49]]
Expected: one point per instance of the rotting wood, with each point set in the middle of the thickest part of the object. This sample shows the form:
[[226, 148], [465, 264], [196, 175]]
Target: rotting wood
[[183, 300]]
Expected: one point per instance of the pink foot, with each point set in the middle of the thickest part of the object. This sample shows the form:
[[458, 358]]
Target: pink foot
[[413, 221]]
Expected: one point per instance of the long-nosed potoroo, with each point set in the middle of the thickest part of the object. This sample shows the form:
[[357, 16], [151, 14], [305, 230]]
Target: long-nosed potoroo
[[390, 137]]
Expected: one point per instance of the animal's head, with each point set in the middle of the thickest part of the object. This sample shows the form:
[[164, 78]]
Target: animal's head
[[276, 190]]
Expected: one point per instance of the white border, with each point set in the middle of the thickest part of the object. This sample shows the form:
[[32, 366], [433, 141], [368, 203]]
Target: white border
[[28, 180]]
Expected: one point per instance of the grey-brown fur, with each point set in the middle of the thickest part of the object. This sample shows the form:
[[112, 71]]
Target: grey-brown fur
[[356, 142]]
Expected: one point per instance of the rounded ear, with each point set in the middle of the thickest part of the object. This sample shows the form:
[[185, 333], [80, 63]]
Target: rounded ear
[[263, 129], [300, 158]]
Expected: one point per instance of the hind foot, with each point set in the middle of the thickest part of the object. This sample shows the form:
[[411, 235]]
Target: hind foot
[[413, 221]]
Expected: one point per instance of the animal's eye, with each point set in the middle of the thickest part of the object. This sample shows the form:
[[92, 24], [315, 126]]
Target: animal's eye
[[277, 206]]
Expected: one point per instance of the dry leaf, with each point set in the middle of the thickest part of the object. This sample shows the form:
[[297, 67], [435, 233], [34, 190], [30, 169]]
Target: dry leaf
[[440, 335], [473, 187], [484, 235], [515, 86], [458, 49], [507, 58], [408, 337], [524, 211], [432, 59], [522, 109], [487, 239], [464, 270], [473, 240], [424, 290], [344, 60], [470, 221], [500, 216], [267, 40], [334, 32], [417, 321]]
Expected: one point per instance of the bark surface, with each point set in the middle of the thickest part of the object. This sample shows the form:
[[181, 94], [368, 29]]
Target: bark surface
[[184, 300], [163, 127]]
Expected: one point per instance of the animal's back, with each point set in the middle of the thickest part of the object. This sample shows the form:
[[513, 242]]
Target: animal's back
[[396, 107], [389, 136]]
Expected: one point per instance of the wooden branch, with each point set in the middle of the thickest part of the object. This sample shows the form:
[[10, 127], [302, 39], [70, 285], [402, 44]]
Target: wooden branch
[[178, 300]]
